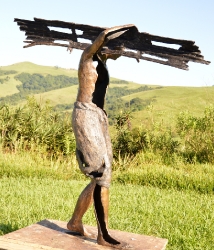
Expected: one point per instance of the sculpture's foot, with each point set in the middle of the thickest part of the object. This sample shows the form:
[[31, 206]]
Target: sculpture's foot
[[111, 242], [78, 228]]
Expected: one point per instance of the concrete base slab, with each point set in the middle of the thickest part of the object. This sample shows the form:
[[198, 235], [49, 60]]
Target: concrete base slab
[[53, 235]]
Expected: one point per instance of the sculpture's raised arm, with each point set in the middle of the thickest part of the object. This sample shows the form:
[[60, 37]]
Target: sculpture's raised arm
[[104, 37], [89, 76]]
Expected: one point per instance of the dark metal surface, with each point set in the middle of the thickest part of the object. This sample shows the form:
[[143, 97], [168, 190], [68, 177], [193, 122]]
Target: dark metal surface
[[138, 45]]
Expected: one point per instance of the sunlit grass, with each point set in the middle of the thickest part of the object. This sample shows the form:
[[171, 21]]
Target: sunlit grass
[[9, 87], [168, 102], [174, 202], [26, 164], [135, 171], [32, 68], [184, 218], [59, 95], [148, 172]]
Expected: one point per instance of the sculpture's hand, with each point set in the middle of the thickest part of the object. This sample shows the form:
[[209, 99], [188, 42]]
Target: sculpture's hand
[[104, 36], [114, 35], [117, 31]]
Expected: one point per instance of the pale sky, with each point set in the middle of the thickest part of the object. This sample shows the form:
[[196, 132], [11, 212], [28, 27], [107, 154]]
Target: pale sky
[[183, 19]]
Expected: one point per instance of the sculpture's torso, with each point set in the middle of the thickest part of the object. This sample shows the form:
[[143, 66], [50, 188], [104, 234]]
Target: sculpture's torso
[[93, 82], [87, 75]]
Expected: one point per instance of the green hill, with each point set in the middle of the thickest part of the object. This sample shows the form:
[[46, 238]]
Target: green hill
[[168, 102], [10, 87], [147, 103]]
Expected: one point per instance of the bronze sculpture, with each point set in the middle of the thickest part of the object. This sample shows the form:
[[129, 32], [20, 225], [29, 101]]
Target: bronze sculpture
[[90, 125]]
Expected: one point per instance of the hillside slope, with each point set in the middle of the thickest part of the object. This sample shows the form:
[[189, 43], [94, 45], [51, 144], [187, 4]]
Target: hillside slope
[[9, 87], [168, 102], [157, 103]]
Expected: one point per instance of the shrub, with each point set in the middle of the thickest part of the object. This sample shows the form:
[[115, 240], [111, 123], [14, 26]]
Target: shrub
[[156, 139], [197, 134], [35, 126]]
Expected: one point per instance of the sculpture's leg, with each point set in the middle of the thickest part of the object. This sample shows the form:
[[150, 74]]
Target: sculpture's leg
[[101, 204], [84, 201]]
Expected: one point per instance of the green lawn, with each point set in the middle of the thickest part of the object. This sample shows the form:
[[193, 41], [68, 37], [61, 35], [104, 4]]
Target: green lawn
[[185, 218], [173, 202]]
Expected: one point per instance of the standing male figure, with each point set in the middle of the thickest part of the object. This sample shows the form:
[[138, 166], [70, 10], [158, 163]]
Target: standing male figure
[[93, 144]]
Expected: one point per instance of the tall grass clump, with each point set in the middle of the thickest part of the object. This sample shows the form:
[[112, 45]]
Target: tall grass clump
[[191, 141], [155, 140], [36, 127], [128, 141], [197, 134]]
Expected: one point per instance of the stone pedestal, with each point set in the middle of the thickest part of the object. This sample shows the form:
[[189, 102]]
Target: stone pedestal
[[53, 235]]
